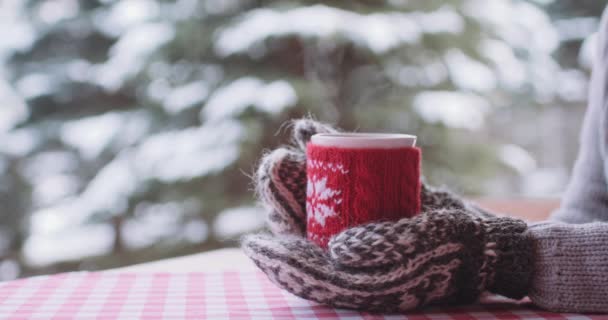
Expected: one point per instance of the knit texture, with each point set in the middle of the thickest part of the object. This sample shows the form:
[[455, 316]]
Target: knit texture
[[571, 273], [449, 254], [586, 197], [280, 181], [349, 187], [446, 257], [410, 263]]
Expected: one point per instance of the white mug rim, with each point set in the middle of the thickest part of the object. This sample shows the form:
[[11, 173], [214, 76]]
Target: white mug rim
[[364, 140]]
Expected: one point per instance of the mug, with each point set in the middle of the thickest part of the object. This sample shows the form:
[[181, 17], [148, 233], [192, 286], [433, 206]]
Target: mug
[[356, 178]]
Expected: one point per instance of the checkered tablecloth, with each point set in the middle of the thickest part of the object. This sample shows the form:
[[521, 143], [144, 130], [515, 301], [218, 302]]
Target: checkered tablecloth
[[219, 295]]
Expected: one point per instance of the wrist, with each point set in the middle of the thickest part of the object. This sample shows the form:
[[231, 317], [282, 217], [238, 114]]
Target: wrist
[[436, 199], [508, 257]]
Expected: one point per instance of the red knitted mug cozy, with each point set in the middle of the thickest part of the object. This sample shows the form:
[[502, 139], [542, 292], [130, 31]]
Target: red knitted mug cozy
[[351, 186]]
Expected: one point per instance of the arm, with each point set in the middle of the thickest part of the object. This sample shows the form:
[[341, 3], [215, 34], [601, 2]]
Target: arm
[[571, 260], [571, 266], [448, 254], [586, 197]]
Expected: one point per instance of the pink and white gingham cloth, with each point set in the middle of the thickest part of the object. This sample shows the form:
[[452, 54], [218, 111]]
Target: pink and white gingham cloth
[[219, 295]]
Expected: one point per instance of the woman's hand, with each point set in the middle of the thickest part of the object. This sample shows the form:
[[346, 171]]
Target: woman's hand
[[450, 253], [444, 256]]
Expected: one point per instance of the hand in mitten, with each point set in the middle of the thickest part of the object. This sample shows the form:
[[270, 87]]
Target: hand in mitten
[[445, 256], [281, 180], [449, 254], [281, 184]]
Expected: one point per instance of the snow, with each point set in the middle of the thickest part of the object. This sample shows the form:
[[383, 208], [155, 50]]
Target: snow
[[425, 75], [467, 73], [90, 240], [19, 142], [35, 84], [545, 181], [218, 7], [189, 153], [234, 98], [50, 189], [184, 9], [9, 270], [79, 70], [48, 163], [444, 20], [129, 53], [275, 96], [16, 31], [510, 71], [453, 109], [517, 158], [572, 85], [379, 32], [92, 135], [68, 213], [522, 25], [158, 90], [13, 109], [195, 231], [51, 175], [577, 28], [152, 222], [186, 96], [234, 222], [53, 11], [586, 54], [125, 14], [109, 191], [169, 157], [542, 76]]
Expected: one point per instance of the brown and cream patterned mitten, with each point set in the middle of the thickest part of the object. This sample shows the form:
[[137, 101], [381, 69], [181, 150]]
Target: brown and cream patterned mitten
[[445, 256], [281, 180], [449, 254]]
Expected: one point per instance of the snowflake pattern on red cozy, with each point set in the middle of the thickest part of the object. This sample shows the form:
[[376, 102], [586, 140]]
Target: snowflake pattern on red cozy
[[323, 195], [321, 200], [349, 187]]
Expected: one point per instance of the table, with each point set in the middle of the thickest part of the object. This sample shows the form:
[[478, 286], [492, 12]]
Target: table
[[210, 295]]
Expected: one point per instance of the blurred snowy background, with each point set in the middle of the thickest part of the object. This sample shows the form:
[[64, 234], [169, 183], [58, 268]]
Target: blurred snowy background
[[128, 128]]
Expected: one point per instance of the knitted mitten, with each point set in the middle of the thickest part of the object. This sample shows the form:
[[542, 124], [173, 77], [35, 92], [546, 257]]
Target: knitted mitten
[[281, 180], [445, 256], [449, 254]]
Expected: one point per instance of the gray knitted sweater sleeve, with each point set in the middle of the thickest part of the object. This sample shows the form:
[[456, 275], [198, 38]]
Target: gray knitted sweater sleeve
[[571, 258], [571, 266], [586, 197]]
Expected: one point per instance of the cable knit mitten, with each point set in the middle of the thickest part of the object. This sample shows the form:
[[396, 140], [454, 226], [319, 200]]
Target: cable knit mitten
[[445, 256], [281, 180], [449, 254]]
